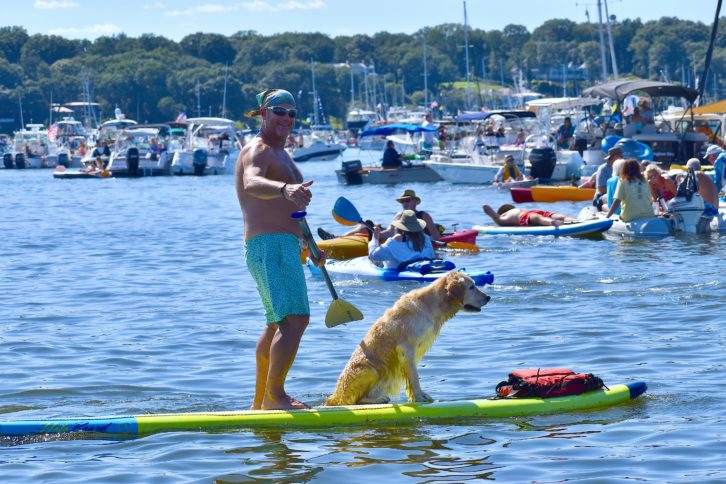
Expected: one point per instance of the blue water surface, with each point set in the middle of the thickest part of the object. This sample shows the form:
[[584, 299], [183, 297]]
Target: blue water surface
[[124, 296]]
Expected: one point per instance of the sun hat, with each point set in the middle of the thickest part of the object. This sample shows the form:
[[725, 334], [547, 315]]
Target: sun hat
[[713, 150], [409, 222], [508, 157], [408, 194]]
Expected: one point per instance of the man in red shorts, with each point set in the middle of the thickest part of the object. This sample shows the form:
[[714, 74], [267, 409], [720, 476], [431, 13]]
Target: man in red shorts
[[511, 216]]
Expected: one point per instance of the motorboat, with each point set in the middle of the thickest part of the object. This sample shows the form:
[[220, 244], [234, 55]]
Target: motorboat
[[134, 154], [360, 119], [210, 148], [462, 169], [353, 173], [33, 149], [668, 146]]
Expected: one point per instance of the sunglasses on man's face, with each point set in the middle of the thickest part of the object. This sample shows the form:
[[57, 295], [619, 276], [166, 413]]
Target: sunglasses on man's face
[[280, 111]]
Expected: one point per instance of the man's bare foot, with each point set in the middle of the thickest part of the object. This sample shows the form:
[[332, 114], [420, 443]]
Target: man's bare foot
[[285, 403]]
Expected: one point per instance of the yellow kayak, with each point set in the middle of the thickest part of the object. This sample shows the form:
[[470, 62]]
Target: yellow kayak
[[342, 248], [561, 193]]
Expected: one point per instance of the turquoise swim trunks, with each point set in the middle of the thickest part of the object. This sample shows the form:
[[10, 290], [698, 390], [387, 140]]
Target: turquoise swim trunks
[[274, 262]]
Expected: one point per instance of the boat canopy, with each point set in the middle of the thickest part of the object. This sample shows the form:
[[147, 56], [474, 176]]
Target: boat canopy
[[472, 117], [389, 129], [562, 103], [619, 90]]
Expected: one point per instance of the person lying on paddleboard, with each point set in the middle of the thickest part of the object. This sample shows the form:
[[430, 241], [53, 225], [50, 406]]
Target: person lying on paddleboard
[[510, 216]]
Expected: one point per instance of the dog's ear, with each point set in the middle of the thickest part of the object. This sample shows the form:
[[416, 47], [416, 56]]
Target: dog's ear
[[456, 285]]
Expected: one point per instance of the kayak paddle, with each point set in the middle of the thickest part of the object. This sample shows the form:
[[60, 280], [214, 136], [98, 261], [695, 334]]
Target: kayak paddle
[[345, 213], [340, 311]]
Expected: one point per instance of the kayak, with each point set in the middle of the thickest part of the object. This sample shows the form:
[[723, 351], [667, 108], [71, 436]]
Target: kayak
[[350, 246], [468, 236], [586, 227], [546, 193], [318, 417], [345, 247], [364, 268]]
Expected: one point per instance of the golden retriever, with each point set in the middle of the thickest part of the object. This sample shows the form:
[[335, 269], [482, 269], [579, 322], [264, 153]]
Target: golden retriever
[[388, 355]]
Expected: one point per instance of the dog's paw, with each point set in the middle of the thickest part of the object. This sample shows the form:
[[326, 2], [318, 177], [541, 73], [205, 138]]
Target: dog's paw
[[423, 397]]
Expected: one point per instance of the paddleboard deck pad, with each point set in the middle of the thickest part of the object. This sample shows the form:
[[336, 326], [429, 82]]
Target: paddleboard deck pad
[[321, 417], [578, 228]]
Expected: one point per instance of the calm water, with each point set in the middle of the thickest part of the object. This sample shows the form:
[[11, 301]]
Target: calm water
[[131, 296]]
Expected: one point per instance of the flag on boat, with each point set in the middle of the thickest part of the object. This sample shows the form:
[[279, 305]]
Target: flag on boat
[[53, 132], [182, 118]]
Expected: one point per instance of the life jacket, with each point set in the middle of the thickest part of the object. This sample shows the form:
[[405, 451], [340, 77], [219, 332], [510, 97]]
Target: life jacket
[[507, 174], [547, 383]]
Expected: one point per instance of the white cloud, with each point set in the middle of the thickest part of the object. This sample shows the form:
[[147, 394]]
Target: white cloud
[[200, 9], [154, 6], [254, 6], [97, 30], [54, 4], [262, 6]]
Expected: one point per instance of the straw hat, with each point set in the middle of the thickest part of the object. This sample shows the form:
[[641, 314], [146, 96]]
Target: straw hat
[[409, 222], [408, 194]]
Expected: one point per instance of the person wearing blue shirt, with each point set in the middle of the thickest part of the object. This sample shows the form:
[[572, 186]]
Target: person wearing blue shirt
[[717, 157], [565, 133]]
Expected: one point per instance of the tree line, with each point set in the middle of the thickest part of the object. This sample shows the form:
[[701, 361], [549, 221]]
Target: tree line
[[153, 79]]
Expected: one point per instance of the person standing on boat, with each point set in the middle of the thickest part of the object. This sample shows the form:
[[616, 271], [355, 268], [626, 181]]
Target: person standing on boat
[[270, 187], [565, 133], [717, 157]]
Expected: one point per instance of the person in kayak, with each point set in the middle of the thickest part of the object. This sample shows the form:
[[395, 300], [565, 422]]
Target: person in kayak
[[409, 242], [510, 216], [408, 201], [270, 187]]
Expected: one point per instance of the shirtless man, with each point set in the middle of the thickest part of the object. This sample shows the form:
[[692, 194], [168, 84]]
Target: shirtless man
[[270, 187], [510, 216], [706, 187]]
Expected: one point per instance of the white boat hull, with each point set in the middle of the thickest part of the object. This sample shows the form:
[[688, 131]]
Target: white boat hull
[[464, 172]]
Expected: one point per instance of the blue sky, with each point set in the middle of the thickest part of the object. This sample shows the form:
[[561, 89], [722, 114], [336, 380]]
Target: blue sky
[[175, 19]]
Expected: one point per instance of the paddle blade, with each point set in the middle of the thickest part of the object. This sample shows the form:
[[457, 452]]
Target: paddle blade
[[462, 246], [345, 212], [343, 221], [340, 312]]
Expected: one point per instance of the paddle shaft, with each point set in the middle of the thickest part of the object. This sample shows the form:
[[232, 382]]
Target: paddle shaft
[[315, 252]]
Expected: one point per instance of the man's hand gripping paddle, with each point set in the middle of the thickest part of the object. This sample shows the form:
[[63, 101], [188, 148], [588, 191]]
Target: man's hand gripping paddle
[[345, 213], [340, 311]]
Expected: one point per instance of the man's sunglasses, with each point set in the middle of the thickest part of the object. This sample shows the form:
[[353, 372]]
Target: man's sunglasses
[[280, 111]]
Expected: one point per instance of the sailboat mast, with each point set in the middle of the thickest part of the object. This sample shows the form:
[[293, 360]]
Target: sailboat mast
[[610, 41], [426, 75], [316, 113], [466, 51], [602, 42]]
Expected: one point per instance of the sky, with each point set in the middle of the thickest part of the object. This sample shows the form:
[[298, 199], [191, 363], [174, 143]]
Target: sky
[[175, 19]]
